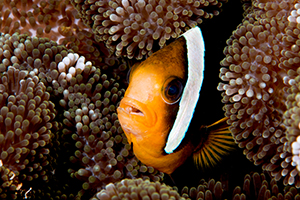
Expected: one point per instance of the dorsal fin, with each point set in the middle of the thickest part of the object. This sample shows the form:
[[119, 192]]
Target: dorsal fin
[[218, 142], [191, 92]]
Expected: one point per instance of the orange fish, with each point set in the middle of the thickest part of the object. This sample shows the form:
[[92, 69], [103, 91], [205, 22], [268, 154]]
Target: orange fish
[[159, 104]]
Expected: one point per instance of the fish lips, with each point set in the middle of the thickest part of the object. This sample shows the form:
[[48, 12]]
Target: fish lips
[[135, 116]]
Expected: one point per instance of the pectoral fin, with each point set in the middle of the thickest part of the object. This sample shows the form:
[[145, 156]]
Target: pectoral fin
[[218, 143]]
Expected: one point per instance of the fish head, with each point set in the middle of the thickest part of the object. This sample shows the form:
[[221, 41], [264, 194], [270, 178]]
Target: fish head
[[151, 102], [160, 101]]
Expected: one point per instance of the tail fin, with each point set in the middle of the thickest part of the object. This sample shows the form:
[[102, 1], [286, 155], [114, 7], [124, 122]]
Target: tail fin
[[217, 143]]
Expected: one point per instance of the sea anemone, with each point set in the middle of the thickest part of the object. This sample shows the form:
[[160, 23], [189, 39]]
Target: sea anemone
[[29, 129], [137, 28], [291, 119], [205, 190], [260, 186], [82, 133], [51, 19], [259, 69], [89, 100], [9, 183], [57, 20], [76, 86], [83, 43], [26, 123], [291, 116], [144, 189], [253, 95], [286, 162], [254, 186], [137, 189]]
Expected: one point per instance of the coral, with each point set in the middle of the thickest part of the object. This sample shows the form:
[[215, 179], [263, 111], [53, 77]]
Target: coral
[[137, 189], [137, 28], [259, 64]]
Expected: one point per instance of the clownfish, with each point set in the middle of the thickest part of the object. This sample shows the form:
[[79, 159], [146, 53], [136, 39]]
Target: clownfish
[[158, 106]]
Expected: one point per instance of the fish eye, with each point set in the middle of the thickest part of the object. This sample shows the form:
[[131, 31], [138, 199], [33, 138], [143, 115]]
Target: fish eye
[[172, 90]]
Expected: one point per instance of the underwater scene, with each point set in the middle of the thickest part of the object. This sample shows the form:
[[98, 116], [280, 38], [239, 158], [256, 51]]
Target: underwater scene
[[150, 99]]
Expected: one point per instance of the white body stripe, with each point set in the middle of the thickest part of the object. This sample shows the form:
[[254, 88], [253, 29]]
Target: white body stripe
[[191, 92]]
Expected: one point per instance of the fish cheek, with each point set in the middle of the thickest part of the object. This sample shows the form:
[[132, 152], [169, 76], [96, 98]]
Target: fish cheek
[[169, 118], [153, 140], [172, 111]]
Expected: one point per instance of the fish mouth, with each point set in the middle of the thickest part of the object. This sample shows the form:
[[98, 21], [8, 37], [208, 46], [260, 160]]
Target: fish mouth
[[132, 111]]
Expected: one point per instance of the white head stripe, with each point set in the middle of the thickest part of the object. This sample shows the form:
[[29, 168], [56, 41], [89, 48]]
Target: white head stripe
[[191, 92]]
